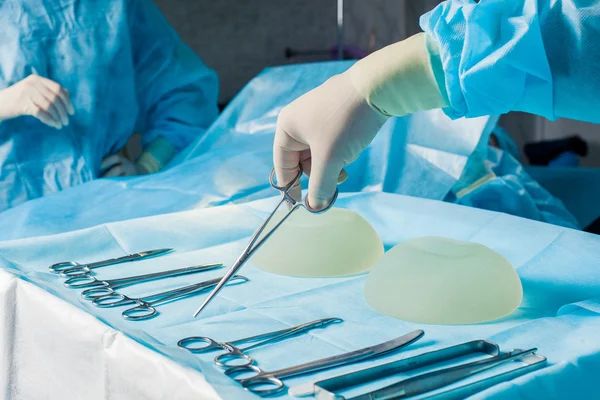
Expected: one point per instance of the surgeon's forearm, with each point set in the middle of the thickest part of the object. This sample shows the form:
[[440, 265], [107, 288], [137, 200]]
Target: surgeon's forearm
[[402, 78], [537, 56], [156, 155]]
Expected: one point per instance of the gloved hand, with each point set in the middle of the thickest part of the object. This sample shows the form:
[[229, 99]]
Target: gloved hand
[[39, 97], [323, 130], [328, 127], [154, 158], [119, 165]]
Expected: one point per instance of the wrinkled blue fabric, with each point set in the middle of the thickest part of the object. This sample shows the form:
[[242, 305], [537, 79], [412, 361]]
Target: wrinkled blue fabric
[[560, 312], [578, 189], [537, 56], [424, 155], [126, 70], [514, 192], [506, 142], [420, 155], [566, 159]]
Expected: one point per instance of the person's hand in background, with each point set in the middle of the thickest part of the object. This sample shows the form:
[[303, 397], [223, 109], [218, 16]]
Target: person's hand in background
[[38, 97], [120, 165], [154, 158]]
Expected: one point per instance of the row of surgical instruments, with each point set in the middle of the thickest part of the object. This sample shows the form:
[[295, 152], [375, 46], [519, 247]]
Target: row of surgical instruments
[[104, 294], [244, 369]]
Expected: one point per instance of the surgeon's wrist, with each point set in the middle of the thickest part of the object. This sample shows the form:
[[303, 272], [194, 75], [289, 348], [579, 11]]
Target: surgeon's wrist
[[402, 78], [155, 156]]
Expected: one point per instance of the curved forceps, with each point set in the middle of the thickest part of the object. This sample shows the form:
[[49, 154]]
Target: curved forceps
[[144, 307], [266, 383], [255, 244], [68, 269], [202, 344], [237, 357], [98, 288]]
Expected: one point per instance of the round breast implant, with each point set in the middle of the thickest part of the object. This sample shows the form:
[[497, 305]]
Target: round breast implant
[[337, 243], [436, 280]]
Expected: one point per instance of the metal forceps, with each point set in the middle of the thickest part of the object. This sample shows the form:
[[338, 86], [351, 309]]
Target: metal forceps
[[265, 383], [236, 356], [97, 288], [71, 268], [255, 244], [144, 307]]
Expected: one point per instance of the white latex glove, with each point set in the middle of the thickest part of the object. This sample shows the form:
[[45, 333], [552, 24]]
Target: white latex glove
[[119, 165], [39, 97], [323, 130], [328, 127]]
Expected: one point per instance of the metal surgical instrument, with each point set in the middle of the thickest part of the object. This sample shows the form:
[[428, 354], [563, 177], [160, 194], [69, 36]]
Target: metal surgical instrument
[[532, 362], [255, 244], [436, 379], [325, 389], [203, 344], [235, 355], [257, 383], [144, 306], [97, 288], [71, 268]]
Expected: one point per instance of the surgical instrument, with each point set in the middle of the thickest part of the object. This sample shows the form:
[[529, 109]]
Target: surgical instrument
[[203, 344], [71, 268], [236, 356], [436, 379], [254, 243], [532, 362], [325, 389], [257, 383], [97, 288], [145, 306]]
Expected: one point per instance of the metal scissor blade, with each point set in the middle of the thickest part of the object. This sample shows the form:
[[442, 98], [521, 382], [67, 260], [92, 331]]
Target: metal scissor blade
[[218, 287], [147, 254]]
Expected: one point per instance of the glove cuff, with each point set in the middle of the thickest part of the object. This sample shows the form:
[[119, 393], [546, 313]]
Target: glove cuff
[[402, 78], [156, 155]]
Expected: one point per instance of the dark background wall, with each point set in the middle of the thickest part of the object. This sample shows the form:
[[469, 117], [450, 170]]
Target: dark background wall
[[240, 38]]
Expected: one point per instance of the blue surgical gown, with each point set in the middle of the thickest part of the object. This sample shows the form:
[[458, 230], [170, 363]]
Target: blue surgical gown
[[537, 56], [127, 71]]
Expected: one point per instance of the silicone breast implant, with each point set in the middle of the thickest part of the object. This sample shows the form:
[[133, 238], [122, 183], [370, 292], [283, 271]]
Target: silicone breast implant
[[337, 243], [436, 280]]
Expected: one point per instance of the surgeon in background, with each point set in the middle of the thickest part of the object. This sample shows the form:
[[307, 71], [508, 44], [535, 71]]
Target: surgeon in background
[[474, 59], [78, 78]]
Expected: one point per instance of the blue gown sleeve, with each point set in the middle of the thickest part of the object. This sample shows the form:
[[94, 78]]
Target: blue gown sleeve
[[536, 56], [176, 91]]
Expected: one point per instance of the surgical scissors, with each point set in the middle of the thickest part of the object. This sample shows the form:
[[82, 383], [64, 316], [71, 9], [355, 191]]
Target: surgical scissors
[[145, 306], [235, 354], [258, 383], [98, 288], [254, 243], [71, 268]]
